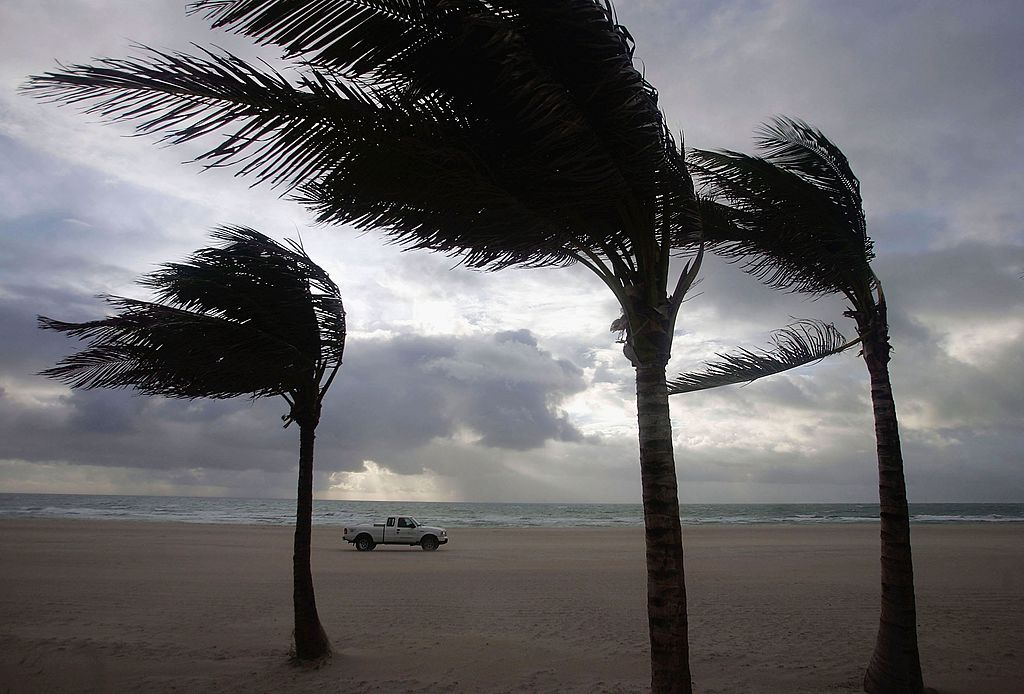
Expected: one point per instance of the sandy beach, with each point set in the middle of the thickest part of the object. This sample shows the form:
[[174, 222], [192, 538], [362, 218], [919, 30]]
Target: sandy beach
[[93, 606]]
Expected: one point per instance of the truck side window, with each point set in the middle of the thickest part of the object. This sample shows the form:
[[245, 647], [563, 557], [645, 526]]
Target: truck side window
[[403, 523], [391, 522]]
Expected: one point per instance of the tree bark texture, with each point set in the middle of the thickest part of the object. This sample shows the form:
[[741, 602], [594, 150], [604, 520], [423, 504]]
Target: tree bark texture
[[311, 642], [895, 666], [666, 587]]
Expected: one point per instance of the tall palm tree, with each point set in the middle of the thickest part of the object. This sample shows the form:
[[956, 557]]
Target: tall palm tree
[[794, 217], [503, 132], [251, 317]]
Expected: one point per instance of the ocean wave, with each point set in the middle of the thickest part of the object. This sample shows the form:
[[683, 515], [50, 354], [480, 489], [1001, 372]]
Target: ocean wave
[[960, 518], [473, 515]]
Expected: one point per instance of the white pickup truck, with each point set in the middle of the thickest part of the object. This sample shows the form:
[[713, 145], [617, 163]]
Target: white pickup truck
[[396, 530]]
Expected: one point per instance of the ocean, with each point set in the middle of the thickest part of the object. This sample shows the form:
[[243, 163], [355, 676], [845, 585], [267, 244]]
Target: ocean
[[180, 509]]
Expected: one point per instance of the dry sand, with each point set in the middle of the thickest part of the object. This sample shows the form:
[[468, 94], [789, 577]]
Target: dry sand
[[90, 606]]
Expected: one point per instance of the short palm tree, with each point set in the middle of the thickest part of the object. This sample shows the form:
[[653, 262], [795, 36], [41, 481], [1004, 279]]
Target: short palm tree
[[251, 317], [795, 219], [504, 132]]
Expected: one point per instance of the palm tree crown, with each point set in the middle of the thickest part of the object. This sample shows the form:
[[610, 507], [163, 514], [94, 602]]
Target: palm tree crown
[[445, 123], [251, 317], [793, 216]]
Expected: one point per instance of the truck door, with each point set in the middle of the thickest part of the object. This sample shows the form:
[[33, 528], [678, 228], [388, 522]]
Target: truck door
[[406, 530], [390, 530]]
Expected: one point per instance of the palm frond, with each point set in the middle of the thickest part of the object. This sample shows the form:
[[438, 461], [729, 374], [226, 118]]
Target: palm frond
[[782, 218], [354, 38], [559, 71], [507, 133], [780, 228], [252, 317], [279, 132], [159, 350], [795, 146], [803, 342]]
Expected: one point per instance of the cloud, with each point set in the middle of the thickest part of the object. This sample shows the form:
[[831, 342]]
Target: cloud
[[497, 391], [392, 396], [377, 483], [508, 385]]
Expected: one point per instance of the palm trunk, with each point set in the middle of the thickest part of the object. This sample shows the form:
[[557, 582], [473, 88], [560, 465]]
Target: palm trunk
[[666, 587], [895, 666], [311, 642]]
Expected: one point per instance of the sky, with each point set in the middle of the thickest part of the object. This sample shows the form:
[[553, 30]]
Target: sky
[[508, 386]]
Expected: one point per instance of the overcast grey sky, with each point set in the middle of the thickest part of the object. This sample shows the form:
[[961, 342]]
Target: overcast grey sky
[[508, 386]]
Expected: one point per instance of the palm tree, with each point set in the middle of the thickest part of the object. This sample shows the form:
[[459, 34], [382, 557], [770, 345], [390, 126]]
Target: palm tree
[[503, 132], [795, 219], [252, 318]]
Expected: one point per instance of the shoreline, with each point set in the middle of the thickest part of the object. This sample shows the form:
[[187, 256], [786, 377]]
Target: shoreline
[[475, 515], [866, 522], [114, 605]]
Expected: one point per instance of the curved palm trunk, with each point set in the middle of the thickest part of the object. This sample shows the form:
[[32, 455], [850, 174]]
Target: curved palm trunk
[[666, 587], [311, 642], [895, 666]]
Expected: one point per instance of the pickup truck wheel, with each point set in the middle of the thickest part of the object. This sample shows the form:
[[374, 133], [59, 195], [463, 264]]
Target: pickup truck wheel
[[364, 543], [429, 543]]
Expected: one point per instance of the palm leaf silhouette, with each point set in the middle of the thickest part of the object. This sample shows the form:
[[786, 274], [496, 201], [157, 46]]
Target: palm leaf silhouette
[[800, 343]]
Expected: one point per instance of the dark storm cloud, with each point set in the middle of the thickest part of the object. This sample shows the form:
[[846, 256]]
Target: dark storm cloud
[[934, 297], [947, 392], [22, 349], [396, 395], [970, 280], [917, 94], [70, 228], [104, 413], [728, 300], [956, 324], [119, 429], [392, 396]]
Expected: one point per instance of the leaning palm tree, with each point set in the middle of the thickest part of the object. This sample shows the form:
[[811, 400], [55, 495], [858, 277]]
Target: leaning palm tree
[[503, 132], [794, 218], [251, 317]]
